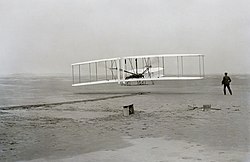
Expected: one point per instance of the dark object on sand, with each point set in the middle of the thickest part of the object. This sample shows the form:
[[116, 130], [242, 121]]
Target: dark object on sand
[[203, 108], [206, 106], [128, 109]]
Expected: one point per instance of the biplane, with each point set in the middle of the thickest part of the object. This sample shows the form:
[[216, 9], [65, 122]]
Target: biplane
[[139, 69]]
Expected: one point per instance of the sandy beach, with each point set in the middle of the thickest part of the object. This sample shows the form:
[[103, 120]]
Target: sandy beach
[[168, 125], [69, 67]]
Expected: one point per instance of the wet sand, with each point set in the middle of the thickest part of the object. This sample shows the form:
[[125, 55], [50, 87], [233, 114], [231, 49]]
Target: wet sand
[[165, 127]]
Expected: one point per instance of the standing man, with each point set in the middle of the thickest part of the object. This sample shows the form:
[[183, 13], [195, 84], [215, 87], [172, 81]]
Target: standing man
[[226, 81]]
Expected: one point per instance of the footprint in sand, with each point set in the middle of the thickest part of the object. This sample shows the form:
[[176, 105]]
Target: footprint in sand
[[221, 152], [187, 158], [201, 150]]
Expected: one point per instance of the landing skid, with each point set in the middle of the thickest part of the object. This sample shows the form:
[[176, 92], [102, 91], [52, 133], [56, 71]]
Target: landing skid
[[138, 83]]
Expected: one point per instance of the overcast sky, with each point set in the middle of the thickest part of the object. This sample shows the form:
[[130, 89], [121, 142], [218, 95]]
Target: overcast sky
[[46, 36]]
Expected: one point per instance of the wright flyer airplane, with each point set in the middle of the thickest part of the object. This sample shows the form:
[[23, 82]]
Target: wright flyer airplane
[[139, 70]]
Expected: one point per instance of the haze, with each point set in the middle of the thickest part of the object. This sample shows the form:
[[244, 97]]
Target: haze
[[46, 36]]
